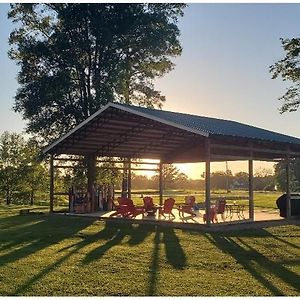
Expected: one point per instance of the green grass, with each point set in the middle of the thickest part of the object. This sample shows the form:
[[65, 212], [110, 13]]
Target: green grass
[[44, 255], [265, 200], [261, 199]]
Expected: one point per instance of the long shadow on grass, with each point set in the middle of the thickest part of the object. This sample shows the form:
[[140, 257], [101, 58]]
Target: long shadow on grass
[[113, 234], [174, 254], [253, 261], [108, 233], [47, 231], [28, 284], [12, 227], [154, 268], [137, 234], [116, 238], [7, 222]]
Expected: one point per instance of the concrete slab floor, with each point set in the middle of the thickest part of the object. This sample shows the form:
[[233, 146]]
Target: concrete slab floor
[[259, 215]]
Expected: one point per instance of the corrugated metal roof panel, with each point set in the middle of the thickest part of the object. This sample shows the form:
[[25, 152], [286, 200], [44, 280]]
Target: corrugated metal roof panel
[[214, 126]]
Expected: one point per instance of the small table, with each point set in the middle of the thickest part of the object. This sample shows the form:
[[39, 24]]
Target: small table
[[234, 208], [152, 212]]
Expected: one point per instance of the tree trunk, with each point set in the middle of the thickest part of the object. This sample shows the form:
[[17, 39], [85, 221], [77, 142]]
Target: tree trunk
[[8, 199], [31, 197]]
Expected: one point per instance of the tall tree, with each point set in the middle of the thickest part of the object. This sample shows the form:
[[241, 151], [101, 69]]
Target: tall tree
[[182, 180], [34, 175], [264, 180], [289, 69], [241, 180], [280, 175], [75, 58], [11, 156], [21, 169], [221, 179], [169, 174]]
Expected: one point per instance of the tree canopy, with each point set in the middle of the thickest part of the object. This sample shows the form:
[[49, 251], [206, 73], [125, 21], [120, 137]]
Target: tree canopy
[[289, 69], [280, 175], [21, 171], [75, 57]]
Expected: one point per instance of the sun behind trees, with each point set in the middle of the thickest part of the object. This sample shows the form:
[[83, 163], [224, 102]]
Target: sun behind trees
[[264, 180]]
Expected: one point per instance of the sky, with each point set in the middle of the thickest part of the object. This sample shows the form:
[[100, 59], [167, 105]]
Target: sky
[[223, 71]]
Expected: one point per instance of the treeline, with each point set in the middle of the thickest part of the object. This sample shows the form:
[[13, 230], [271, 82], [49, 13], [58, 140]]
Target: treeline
[[262, 181], [24, 175], [24, 172]]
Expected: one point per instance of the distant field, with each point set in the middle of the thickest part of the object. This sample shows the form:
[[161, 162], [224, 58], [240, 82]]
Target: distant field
[[52, 255], [261, 199]]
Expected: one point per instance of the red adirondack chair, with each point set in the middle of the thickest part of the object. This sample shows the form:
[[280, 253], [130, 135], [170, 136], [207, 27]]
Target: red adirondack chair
[[220, 208], [118, 206], [167, 208], [129, 210], [187, 207], [149, 206], [212, 215]]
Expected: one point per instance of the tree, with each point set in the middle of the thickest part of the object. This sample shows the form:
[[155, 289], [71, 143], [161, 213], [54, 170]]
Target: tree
[[181, 180], [289, 69], [280, 175], [21, 168], [241, 180], [11, 155], [221, 180], [107, 174], [34, 175], [140, 181], [169, 174], [76, 57], [264, 180]]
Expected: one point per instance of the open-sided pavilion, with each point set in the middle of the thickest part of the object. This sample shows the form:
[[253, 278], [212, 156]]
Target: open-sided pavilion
[[132, 132]]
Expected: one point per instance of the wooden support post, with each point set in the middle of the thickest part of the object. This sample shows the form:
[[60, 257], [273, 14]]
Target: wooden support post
[[251, 198], [124, 180], [207, 181], [288, 189], [129, 179], [51, 170], [160, 183], [91, 176]]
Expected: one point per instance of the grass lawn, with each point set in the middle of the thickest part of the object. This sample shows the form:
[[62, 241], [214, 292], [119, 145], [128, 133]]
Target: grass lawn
[[44, 255], [265, 200]]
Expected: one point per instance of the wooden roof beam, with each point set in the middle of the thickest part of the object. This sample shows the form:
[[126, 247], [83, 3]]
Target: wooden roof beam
[[251, 148]]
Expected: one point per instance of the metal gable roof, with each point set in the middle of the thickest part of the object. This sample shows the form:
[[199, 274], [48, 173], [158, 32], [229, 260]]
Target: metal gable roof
[[214, 126], [131, 131]]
